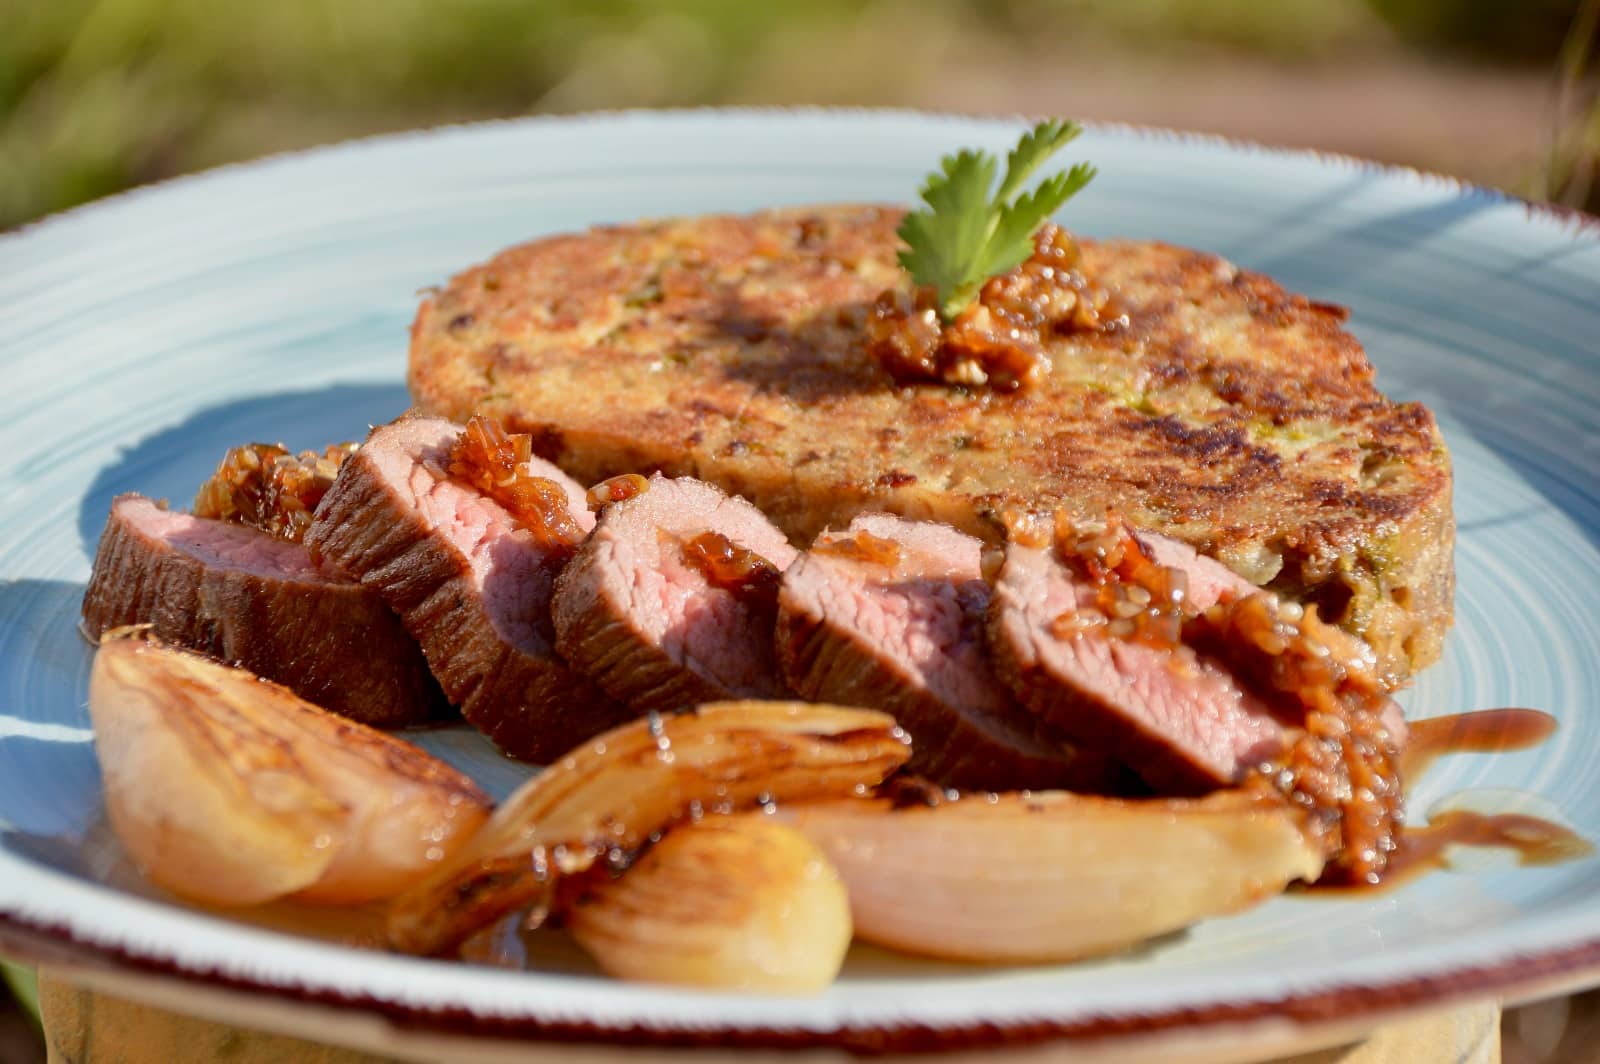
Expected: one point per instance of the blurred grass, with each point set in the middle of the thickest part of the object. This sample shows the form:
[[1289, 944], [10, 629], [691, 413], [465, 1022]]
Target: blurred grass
[[21, 1032], [24, 987], [1570, 173], [21, 1040], [100, 95], [1497, 31]]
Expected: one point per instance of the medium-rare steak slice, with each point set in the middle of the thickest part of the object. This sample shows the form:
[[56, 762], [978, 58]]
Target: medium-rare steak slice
[[253, 600], [1206, 580], [1209, 582], [1182, 721], [470, 584], [1129, 641], [889, 614], [1225, 411], [672, 599]]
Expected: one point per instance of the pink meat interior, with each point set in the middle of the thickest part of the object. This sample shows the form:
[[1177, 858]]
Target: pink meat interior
[[921, 616], [670, 602], [513, 574], [219, 543], [1194, 705], [1209, 580]]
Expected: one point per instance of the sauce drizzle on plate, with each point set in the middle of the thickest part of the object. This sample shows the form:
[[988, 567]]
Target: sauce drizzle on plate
[[1535, 840], [1486, 731]]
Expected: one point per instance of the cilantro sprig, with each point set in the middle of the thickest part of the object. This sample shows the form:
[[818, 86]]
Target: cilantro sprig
[[964, 236]]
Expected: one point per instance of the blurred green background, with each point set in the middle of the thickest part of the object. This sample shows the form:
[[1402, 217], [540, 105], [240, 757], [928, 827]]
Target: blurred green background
[[100, 95]]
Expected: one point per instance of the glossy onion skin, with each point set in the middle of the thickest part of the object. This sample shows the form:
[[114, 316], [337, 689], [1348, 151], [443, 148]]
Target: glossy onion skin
[[230, 790], [606, 799], [726, 902], [1052, 876]]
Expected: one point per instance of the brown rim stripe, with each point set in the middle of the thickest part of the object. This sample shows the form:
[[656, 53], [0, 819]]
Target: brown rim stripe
[[58, 944]]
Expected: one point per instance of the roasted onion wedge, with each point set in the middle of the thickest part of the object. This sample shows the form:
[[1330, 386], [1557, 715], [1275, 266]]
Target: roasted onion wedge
[[1052, 876], [613, 794], [731, 902], [230, 790]]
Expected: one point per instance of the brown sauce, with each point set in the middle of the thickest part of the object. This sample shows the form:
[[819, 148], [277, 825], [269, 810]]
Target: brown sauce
[[741, 572], [1533, 839], [998, 341], [1344, 768], [1342, 772], [1486, 731], [1135, 598], [861, 546], [494, 462], [267, 487], [617, 489]]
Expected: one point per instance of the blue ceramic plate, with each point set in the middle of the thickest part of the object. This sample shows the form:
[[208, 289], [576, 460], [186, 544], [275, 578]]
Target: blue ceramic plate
[[142, 336]]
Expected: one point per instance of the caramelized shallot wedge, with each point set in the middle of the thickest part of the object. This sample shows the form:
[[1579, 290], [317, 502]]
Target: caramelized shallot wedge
[[611, 796], [230, 790], [1052, 875], [730, 902]]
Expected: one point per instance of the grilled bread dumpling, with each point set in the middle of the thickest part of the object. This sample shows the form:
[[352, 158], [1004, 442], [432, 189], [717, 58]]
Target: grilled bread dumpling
[[1223, 411]]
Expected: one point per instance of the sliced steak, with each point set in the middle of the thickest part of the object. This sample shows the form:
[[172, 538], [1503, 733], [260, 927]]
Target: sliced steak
[[889, 614], [1179, 719], [1208, 580], [655, 628], [1212, 583], [250, 599], [469, 583]]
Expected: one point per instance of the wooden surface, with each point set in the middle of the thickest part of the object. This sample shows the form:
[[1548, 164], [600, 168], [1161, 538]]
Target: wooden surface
[[83, 1027], [1563, 1030]]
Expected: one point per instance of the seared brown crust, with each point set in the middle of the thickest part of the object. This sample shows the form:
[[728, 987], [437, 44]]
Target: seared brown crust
[[595, 637], [331, 641], [1227, 412], [533, 707]]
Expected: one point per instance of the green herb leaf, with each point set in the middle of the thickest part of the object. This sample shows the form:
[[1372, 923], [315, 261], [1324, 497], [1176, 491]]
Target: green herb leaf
[[1036, 145], [950, 235], [1019, 220], [964, 236], [23, 986]]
